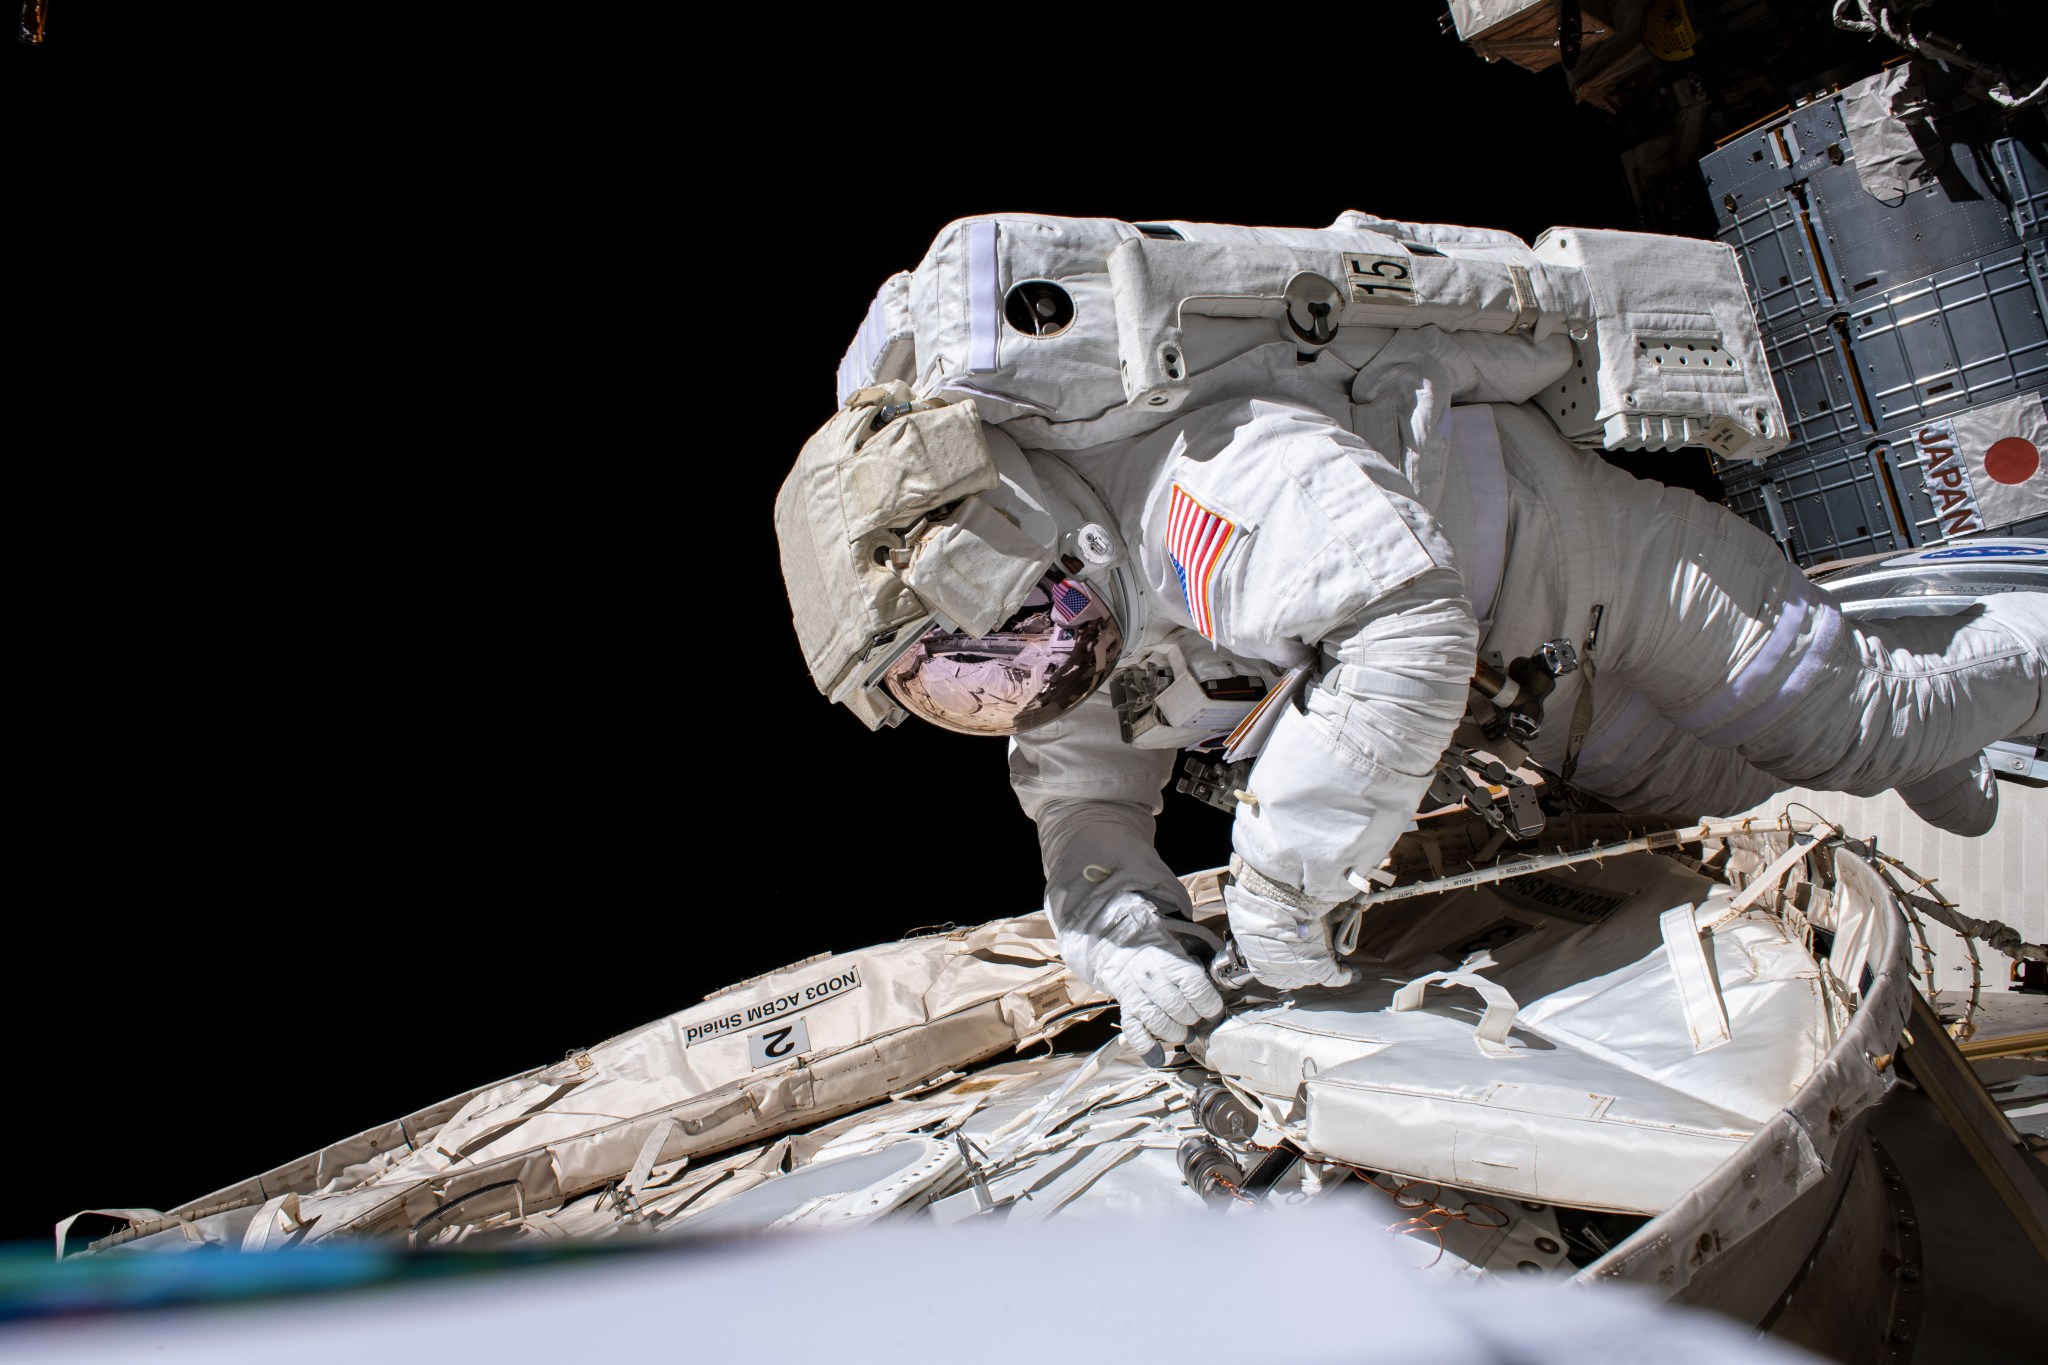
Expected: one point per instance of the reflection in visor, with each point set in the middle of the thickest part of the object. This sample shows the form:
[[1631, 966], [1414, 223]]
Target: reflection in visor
[[1051, 653]]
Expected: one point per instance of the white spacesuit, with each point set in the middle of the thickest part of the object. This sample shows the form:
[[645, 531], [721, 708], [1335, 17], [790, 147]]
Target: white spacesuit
[[1722, 674], [1368, 501]]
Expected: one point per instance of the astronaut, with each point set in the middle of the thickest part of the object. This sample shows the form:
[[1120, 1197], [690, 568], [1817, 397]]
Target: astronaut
[[1270, 530], [1340, 472]]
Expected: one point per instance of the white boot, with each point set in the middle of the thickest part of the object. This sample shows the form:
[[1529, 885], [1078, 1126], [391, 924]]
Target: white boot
[[2025, 616], [1961, 798]]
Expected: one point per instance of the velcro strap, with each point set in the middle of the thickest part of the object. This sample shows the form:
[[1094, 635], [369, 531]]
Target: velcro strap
[[1296, 902]]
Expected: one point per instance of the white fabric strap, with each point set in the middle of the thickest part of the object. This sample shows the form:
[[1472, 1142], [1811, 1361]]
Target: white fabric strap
[[1686, 947], [1494, 1025], [984, 309], [650, 1153], [1760, 885], [1476, 441], [1346, 921], [276, 1220], [1692, 976], [856, 367]]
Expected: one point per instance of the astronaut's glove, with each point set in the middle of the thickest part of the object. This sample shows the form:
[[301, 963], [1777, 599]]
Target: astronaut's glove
[[1283, 934], [1125, 947]]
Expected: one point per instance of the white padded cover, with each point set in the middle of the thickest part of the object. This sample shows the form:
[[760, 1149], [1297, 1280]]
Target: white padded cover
[[1603, 1101], [1674, 350], [1173, 316], [1161, 325]]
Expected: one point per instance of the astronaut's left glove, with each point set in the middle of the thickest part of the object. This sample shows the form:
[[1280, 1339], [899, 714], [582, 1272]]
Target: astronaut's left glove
[[1284, 935]]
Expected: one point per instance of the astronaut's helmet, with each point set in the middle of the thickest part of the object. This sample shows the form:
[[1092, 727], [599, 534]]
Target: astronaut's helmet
[[1054, 649]]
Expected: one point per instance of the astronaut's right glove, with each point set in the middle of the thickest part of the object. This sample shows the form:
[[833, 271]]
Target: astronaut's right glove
[[1283, 934], [1124, 947]]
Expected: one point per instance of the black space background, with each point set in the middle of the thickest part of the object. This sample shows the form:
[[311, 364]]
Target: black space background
[[407, 692]]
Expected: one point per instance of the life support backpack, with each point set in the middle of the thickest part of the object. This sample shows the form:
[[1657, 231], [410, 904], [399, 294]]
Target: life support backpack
[[1068, 332]]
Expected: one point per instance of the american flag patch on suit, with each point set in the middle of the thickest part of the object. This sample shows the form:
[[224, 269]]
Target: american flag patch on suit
[[1195, 541]]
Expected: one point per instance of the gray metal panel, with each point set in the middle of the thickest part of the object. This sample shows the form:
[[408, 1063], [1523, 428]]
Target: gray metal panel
[[1839, 502], [1751, 180], [1956, 217], [1775, 253], [1810, 238], [1810, 364], [1836, 502], [1966, 335], [2026, 184], [1742, 486], [1763, 161], [1878, 316]]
